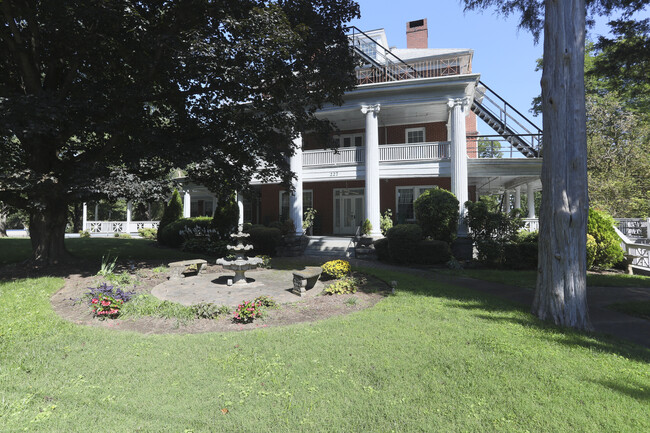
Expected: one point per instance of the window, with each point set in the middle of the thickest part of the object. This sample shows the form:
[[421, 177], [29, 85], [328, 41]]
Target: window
[[415, 135], [348, 140], [307, 202], [369, 48], [406, 196]]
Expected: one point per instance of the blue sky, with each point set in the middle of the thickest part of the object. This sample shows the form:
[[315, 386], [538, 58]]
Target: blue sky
[[503, 55]]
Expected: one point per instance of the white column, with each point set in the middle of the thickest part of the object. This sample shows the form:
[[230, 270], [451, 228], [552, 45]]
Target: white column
[[84, 217], [129, 205], [372, 168], [97, 212], [505, 202], [531, 200], [295, 199], [458, 108], [518, 197], [187, 204], [240, 207]]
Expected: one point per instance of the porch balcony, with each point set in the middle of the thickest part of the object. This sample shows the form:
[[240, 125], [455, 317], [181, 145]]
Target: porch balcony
[[387, 153]]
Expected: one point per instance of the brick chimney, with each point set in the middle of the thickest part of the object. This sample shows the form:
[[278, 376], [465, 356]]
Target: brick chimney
[[417, 34]]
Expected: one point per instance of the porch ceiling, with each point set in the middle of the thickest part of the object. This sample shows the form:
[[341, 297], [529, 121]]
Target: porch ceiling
[[403, 102]]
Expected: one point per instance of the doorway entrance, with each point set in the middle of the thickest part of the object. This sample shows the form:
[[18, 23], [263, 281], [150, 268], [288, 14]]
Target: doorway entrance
[[349, 210]]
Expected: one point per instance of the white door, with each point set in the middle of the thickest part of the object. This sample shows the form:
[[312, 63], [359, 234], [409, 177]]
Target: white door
[[348, 211]]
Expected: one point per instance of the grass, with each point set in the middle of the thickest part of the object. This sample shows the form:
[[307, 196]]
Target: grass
[[433, 357], [637, 308], [13, 250], [527, 279]]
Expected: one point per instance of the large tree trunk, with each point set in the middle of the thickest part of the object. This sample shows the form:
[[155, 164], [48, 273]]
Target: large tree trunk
[[560, 294], [47, 233]]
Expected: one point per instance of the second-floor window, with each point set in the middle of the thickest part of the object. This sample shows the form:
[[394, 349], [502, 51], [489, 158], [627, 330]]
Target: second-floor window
[[348, 140], [415, 135]]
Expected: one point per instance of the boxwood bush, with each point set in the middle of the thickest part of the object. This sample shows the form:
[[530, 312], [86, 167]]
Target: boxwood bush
[[432, 252], [401, 241], [600, 225], [174, 234], [437, 213], [265, 240]]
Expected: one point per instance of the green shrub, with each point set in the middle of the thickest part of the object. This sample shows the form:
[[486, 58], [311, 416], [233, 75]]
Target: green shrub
[[592, 246], [150, 234], [84, 234], [336, 269], [248, 311], [177, 232], [226, 216], [401, 240], [288, 227], [123, 236], [437, 213], [491, 231], [204, 245], [520, 255], [386, 221], [600, 225], [266, 301], [381, 248], [343, 287], [432, 252], [208, 310], [173, 212], [265, 240]]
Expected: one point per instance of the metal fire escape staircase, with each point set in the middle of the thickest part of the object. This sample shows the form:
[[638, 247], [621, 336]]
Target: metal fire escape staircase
[[502, 117]]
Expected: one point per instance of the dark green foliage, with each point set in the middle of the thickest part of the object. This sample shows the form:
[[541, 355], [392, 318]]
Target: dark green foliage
[[491, 231], [401, 241], [437, 213], [102, 99], [225, 217], [608, 250], [206, 245], [265, 240], [381, 248], [592, 247], [149, 234], [522, 253], [174, 234], [432, 252], [173, 212]]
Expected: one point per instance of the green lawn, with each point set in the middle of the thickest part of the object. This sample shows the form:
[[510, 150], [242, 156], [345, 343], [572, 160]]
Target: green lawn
[[527, 279], [638, 308], [14, 250], [432, 358]]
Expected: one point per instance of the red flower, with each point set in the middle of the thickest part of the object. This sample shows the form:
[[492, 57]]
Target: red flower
[[94, 301], [106, 303]]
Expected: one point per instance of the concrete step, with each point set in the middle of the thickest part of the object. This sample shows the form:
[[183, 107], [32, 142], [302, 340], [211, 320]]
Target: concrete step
[[330, 246]]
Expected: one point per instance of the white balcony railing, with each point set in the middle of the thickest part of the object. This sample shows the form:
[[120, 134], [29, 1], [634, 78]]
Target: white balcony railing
[[531, 224], [387, 153], [108, 227]]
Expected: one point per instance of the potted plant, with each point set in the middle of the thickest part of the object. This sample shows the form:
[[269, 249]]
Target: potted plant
[[365, 239], [308, 221]]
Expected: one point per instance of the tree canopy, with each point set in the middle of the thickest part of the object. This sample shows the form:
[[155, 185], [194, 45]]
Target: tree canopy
[[101, 99]]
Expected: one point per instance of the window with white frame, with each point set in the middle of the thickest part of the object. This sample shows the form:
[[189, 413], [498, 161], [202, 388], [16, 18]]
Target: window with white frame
[[348, 140], [307, 202], [405, 197], [415, 135]]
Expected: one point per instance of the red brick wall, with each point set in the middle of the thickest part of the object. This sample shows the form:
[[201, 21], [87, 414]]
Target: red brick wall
[[470, 129], [270, 203], [417, 36], [324, 202]]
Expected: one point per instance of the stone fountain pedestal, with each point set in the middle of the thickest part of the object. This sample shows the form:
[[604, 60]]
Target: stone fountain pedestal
[[241, 264]]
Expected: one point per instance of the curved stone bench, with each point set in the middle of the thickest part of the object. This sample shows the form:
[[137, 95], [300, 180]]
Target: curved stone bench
[[305, 279], [176, 269]]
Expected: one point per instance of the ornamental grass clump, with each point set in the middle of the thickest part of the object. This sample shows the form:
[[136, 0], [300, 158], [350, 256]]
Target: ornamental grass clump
[[336, 269]]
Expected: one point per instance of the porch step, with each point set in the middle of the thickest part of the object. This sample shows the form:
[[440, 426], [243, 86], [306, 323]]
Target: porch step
[[330, 246]]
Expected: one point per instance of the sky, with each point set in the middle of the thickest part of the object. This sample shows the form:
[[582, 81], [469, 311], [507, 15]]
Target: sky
[[504, 55]]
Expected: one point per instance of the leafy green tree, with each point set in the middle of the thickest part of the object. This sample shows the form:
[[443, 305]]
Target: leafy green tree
[[101, 99], [560, 293], [437, 213], [489, 148], [226, 216]]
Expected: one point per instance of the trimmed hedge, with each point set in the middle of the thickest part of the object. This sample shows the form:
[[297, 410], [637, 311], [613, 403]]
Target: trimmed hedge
[[171, 234], [381, 248], [432, 252], [265, 240], [401, 239], [215, 248], [436, 210]]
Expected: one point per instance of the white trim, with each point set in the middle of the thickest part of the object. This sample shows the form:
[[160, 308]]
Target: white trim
[[418, 129], [397, 187]]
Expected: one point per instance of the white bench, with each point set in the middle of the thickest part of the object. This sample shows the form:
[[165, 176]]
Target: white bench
[[176, 269]]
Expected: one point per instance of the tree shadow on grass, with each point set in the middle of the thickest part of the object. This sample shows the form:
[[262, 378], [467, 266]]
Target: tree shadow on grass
[[637, 391], [489, 306]]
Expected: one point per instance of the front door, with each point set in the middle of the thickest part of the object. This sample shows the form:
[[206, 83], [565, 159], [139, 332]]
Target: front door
[[348, 210]]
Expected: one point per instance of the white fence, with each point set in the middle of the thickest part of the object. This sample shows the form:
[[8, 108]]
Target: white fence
[[634, 228], [531, 224], [110, 227], [638, 253]]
